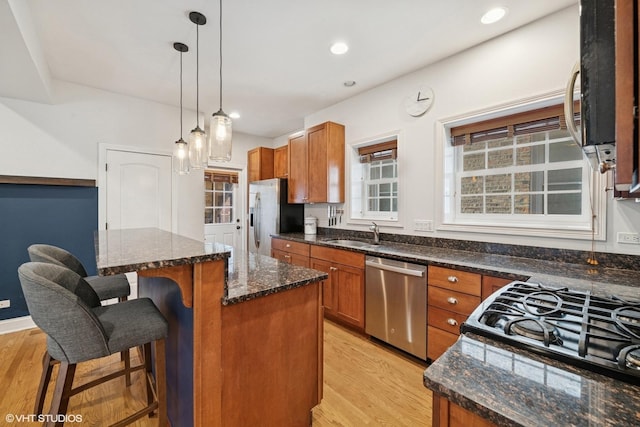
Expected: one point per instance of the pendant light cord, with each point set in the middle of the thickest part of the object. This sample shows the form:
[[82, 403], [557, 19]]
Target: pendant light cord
[[220, 55], [197, 75], [181, 95]]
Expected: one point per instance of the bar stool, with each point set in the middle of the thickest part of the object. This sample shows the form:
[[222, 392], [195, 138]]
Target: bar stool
[[106, 287], [79, 329]]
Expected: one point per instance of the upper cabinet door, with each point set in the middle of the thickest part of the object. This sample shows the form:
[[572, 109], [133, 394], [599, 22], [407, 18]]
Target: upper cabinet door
[[281, 162], [298, 169]]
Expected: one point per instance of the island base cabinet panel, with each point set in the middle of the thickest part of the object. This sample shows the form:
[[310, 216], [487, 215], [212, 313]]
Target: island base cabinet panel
[[448, 414], [271, 359]]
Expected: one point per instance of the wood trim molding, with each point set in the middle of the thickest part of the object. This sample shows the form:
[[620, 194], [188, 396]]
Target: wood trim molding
[[38, 180], [182, 275]]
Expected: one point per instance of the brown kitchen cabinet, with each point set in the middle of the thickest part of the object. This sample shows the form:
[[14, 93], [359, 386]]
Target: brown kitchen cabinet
[[295, 253], [627, 171], [449, 414], [260, 163], [343, 291], [316, 165], [281, 162], [451, 296], [490, 284]]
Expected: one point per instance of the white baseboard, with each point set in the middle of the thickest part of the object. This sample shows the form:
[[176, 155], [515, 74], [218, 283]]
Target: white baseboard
[[16, 324]]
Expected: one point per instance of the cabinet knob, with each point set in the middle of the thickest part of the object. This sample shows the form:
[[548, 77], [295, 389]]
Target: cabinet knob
[[287, 256], [452, 322], [452, 300], [452, 279], [333, 268], [287, 245]]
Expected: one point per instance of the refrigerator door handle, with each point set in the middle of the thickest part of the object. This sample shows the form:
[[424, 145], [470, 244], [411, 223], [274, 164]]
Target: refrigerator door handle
[[256, 224]]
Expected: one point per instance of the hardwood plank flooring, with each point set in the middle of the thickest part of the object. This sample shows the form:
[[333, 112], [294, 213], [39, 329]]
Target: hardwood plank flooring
[[365, 383]]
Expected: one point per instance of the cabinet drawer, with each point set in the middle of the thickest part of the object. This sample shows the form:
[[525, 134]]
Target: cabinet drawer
[[445, 320], [438, 341], [291, 258], [451, 300], [456, 280], [290, 246], [339, 256]]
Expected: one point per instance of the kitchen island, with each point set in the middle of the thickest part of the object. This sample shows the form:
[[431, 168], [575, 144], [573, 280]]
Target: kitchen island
[[245, 331]]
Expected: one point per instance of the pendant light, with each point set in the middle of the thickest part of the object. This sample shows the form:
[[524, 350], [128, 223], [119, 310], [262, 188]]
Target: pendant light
[[197, 137], [220, 124], [181, 149]]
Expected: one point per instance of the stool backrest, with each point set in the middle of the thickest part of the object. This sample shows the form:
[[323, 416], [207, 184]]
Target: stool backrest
[[60, 303], [55, 255]]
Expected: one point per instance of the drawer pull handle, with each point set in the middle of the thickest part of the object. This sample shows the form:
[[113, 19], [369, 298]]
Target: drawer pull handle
[[333, 268], [452, 322], [452, 279], [287, 256], [287, 245], [452, 300]]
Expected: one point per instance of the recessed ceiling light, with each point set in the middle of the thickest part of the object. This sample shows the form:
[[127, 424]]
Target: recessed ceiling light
[[339, 48], [494, 15], [234, 115], [349, 83]]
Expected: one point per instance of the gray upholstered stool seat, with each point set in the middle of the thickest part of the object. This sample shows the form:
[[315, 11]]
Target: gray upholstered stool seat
[[106, 287], [78, 329]]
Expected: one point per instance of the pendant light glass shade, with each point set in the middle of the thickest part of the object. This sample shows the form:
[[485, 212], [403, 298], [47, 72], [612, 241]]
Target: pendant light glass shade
[[220, 137], [198, 148], [181, 157], [181, 149], [197, 137], [220, 130]]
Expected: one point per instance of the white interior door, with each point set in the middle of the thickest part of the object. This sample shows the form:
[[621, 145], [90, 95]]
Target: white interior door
[[138, 190], [223, 209]]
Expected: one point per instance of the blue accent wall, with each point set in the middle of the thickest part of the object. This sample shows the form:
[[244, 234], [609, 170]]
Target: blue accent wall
[[65, 216]]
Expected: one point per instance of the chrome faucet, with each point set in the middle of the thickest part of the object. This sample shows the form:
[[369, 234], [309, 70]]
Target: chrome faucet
[[376, 233]]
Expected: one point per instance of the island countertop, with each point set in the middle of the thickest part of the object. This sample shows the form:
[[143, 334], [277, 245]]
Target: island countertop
[[248, 275]]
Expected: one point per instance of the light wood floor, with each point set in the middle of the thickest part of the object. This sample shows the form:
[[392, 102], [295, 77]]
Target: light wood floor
[[365, 383]]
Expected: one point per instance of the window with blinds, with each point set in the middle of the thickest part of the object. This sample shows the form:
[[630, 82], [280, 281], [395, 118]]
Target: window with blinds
[[219, 190], [378, 172], [522, 168]]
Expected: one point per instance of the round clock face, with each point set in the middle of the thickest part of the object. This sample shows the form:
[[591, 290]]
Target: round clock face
[[419, 101]]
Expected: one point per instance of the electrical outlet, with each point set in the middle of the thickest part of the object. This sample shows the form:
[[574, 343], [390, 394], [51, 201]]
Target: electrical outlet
[[423, 225], [630, 238], [5, 303]]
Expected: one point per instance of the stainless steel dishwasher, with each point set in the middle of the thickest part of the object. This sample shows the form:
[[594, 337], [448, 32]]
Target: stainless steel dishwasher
[[396, 304]]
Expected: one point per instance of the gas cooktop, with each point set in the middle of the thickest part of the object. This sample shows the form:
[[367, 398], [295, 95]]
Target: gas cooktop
[[597, 333]]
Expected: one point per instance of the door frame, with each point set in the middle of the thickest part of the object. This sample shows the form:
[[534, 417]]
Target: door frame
[[103, 148]]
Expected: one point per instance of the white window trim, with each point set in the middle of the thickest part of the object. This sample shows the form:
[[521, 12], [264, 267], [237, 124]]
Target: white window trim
[[351, 158], [443, 174]]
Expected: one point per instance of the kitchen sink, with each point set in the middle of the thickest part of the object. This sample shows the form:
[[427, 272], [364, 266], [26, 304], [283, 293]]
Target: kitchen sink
[[351, 243]]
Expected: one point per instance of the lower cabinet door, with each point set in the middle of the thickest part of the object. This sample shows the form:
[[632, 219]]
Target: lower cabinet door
[[438, 341], [328, 294]]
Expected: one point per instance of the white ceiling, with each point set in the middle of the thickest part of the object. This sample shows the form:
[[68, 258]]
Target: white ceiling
[[277, 67]]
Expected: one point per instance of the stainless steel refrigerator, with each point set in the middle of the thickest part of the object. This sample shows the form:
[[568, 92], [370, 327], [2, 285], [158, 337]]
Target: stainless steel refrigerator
[[270, 213]]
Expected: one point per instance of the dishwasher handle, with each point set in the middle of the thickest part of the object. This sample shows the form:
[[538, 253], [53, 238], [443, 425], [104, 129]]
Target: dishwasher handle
[[407, 271]]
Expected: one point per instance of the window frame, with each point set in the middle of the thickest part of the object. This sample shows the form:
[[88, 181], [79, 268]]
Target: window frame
[[356, 195], [447, 185]]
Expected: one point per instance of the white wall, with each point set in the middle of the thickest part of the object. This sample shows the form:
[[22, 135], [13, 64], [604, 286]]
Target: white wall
[[528, 62], [62, 140]]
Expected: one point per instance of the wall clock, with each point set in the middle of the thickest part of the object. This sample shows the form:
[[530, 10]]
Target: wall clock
[[419, 101]]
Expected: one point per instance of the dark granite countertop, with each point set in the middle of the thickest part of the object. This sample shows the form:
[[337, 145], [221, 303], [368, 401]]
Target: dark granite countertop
[[597, 279], [514, 387], [123, 251], [252, 275], [249, 275]]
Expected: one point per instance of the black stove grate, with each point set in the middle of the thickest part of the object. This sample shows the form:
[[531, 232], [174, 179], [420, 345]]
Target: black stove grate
[[598, 333]]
